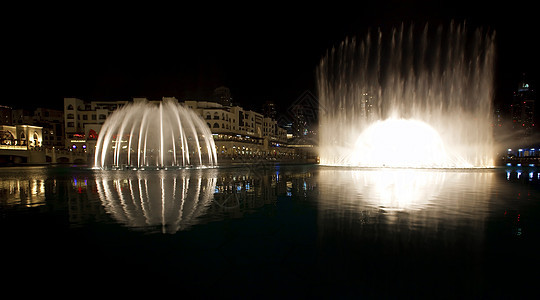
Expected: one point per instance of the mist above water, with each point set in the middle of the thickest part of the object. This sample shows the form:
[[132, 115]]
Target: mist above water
[[435, 83]]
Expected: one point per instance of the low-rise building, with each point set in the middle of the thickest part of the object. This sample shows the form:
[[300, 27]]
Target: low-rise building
[[237, 132], [83, 121], [242, 133], [23, 137]]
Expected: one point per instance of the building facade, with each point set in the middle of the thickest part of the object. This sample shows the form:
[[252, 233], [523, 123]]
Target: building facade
[[83, 121], [240, 133]]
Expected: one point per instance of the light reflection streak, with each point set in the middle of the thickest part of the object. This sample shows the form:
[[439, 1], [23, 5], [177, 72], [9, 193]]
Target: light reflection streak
[[27, 192]]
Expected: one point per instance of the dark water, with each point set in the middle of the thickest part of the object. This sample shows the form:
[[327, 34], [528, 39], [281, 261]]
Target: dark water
[[276, 232]]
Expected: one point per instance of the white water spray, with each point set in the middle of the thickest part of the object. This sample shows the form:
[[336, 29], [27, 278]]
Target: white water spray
[[414, 97], [148, 135]]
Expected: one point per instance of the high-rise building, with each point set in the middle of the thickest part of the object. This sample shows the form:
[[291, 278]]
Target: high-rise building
[[269, 110], [523, 108], [5, 115], [223, 96]]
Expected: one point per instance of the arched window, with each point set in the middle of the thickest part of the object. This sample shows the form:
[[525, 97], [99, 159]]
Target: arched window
[[70, 116], [6, 138], [216, 125], [35, 141], [70, 107]]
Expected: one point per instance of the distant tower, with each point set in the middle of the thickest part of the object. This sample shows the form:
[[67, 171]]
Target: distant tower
[[223, 96], [523, 108], [269, 110]]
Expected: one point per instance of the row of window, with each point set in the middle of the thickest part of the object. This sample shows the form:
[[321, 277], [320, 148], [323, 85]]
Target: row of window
[[85, 117], [226, 117], [88, 107]]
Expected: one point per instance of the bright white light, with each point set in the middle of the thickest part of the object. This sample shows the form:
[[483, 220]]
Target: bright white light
[[400, 143]]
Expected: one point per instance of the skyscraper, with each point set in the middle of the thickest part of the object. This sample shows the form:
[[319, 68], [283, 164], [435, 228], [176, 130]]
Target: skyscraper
[[223, 96], [523, 108]]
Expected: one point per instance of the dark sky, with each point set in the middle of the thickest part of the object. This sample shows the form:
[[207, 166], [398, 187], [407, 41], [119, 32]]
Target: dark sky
[[261, 50]]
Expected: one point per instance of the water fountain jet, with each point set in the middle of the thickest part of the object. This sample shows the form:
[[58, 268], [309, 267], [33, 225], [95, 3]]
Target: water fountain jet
[[430, 90], [143, 134]]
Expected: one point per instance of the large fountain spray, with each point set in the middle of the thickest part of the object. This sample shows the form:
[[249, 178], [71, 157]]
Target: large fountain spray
[[413, 97], [161, 135]]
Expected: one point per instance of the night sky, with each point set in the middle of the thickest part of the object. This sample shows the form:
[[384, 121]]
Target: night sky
[[261, 51]]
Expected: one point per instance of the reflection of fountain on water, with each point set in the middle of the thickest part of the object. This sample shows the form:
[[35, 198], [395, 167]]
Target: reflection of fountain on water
[[404, 228], [170, 200], [411, 98], [430, 196], [147, 135]]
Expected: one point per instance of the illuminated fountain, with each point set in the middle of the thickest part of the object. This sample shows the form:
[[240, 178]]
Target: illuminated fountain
[[163, 135], [414, 97]]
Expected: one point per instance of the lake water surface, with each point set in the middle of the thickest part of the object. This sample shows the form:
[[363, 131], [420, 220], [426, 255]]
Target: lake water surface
[[271, 231]]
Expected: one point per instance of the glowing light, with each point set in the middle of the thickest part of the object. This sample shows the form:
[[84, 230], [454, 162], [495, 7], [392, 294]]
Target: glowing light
[[400, 143]]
